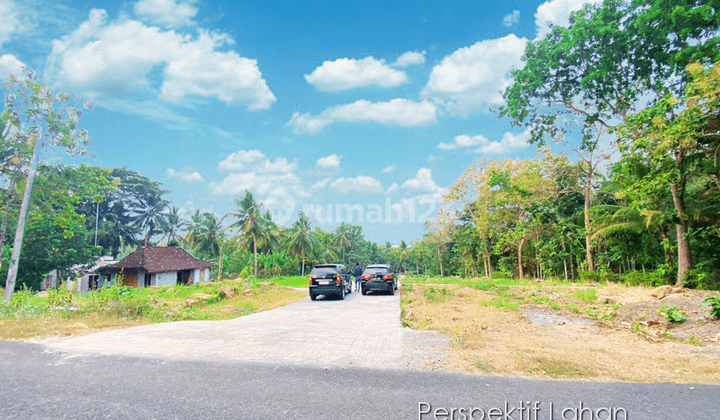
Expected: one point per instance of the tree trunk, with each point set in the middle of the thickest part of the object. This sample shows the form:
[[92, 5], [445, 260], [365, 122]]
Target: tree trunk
[[302, 270], [681, 227], [489, 264], [6, 215], [564, 260], [442, 274], [220, 263], [20, 231], [520, 257], [255, 254], [588, 246]]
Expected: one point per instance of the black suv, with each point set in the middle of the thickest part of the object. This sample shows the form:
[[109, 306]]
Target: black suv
[[379, 277], [329, 279]]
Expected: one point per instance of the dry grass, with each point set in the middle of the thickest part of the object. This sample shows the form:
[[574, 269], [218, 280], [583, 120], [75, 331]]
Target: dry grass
[[263, 297], [63, 326], [497, 339]]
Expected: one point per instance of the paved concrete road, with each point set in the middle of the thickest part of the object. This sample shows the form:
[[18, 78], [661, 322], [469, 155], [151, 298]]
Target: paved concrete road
[[40, 384], [359, 331]]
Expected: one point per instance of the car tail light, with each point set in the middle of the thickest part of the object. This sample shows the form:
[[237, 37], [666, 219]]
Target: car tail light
[[310, 280], [339, 278], [364, 277], [388, 277]]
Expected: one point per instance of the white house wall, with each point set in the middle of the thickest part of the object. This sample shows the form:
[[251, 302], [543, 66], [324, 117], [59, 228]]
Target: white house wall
[[166, 279]]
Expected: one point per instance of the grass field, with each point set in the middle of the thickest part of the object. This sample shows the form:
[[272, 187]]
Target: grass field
[[62, 313], [290, 281], [550, 329]]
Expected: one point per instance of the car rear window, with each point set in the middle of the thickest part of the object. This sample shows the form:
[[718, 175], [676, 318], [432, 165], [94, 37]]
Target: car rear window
[[375, 270], [324, 270]]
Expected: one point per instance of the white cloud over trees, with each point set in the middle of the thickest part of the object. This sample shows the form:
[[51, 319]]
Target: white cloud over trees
[[349, 73], [399, 112]]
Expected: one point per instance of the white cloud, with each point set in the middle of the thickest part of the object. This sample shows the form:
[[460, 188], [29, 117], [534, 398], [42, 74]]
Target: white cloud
[[392, 189], [463, 141], [388, 169], [433, 158], [9, 22], [473, 77], [410, 58], [400, 112], [329, 162], [557, 13], [511, 19], [10, 65], [259, 184], [422, 181], [361, 184], [323, 183], [103, 59], [184, 175], [349, 73], [251, 170], [509, 143], [170, 13], [255, 161]]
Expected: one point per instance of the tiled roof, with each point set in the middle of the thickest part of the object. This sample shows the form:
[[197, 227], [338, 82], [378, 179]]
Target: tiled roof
[[158, 260]]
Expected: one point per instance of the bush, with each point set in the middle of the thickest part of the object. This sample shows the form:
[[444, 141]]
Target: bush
[[59, 297], [650, 278], [699, 279], [712, 302], [672, 314], [502, 274], [589, 295]]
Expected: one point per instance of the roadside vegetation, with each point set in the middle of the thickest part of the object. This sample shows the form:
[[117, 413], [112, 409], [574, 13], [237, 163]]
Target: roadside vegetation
[[62, 313], [560, 330]]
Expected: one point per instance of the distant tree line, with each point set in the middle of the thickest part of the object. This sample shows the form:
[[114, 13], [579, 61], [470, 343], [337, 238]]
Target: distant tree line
[[639, 79]]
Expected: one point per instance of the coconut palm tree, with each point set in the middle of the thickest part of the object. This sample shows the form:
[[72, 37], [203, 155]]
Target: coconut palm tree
[[301, 241], [251, 224], [325, 250], [174, 224], [150, 217]]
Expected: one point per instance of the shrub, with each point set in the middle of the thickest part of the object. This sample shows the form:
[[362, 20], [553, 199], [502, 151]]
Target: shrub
[[502, 274], [699, 279], [712, 302], [589, 295], [59, 297], [672, 314], [650, 278]]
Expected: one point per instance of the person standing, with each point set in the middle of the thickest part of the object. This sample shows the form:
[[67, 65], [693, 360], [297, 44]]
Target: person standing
[[357, 272]]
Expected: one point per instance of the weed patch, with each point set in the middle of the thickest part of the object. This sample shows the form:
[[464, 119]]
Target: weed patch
[[558, 368], [589, 295]]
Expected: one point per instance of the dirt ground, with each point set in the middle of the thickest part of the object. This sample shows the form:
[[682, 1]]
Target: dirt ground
[[611, 333]]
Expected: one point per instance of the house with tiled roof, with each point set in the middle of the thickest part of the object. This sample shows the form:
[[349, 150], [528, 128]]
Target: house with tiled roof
[[159, 266]]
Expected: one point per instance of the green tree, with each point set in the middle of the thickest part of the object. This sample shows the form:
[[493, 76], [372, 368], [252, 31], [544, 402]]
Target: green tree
[[614, 58], [301, 241], [46, 122], [251, 224], [678, 140]]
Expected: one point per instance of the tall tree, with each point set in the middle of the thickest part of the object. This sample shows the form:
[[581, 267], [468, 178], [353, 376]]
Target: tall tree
[[614, 58], [47, 122], [301, 241], [251, 224], [679, 139]]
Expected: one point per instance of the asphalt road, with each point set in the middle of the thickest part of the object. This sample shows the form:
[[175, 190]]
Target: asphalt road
[[328, 359], [36, 383]]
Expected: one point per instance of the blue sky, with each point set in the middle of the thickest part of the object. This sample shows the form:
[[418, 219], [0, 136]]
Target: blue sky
[[359, 112]]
